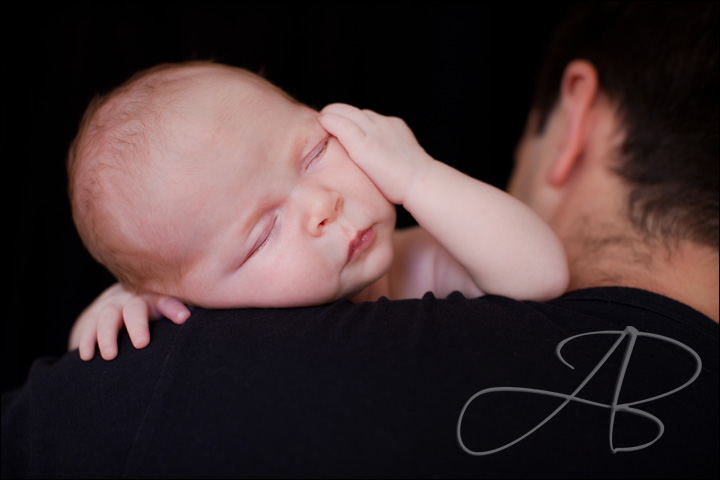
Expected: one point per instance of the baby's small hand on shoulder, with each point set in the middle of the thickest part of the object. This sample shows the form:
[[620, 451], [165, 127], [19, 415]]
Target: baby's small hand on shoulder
[[100, 323]]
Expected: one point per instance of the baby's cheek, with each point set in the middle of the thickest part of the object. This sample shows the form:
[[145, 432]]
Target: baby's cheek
[[305, 277]]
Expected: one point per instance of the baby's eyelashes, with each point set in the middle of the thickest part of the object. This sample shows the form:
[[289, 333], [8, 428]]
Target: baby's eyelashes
[[316, 153], [262, 240]]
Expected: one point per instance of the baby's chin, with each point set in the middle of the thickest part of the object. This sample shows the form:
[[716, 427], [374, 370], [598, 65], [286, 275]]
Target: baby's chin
[[369, 291]]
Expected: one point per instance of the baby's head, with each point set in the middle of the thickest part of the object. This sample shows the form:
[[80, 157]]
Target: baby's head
[[208, 183]]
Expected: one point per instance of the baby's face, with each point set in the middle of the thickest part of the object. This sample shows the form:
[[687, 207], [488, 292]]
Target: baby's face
[[270, 210]]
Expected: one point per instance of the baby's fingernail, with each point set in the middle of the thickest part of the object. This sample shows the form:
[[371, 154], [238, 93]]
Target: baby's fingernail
[[108, 356], [140, 341]]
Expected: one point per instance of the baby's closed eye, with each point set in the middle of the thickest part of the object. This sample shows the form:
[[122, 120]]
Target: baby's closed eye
[[316, 153]]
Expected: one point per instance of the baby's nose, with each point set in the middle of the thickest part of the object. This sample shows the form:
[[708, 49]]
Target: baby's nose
[[324, 209]]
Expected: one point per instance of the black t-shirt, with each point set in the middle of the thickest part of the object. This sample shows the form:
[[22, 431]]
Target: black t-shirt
[[412, 388]]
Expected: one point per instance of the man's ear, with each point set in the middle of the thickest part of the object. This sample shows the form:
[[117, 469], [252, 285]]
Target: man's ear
[[578, 89]]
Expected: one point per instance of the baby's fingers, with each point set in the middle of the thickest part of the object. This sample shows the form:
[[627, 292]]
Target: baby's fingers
[[136, 317], [86, 344], [344, 110], [172, 308], [109, 324], [350, 135]]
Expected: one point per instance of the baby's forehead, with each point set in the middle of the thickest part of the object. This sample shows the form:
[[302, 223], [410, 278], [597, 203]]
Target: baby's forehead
[[225, 94], [239, 104], [215, 111]]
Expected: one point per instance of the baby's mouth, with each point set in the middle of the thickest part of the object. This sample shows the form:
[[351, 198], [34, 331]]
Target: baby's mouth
[[360, 243]]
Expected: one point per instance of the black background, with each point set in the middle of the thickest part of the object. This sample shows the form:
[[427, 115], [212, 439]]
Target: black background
[[459, 73]]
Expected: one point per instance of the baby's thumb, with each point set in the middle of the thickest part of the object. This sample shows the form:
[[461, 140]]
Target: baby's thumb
[[172, 308]]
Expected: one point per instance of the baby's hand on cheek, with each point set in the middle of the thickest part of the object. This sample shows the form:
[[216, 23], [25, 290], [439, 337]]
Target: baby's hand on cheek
[[383, 147], [101, 322]]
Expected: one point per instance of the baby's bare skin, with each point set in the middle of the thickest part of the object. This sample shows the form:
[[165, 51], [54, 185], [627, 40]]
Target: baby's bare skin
[[317, 223]]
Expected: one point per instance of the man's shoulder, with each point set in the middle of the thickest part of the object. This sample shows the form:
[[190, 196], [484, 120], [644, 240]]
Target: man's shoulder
[[422, 387]]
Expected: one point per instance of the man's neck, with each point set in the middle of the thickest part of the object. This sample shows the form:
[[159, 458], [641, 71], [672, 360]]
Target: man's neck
[[604, 249], [686, 272]]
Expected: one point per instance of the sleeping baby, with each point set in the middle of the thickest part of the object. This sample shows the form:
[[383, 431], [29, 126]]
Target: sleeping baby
[[203, 184]]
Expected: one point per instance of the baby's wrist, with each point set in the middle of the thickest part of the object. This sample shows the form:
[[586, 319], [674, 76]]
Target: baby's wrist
[[419, 182]]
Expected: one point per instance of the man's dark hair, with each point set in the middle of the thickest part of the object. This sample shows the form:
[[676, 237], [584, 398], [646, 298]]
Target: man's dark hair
[[658, 64]]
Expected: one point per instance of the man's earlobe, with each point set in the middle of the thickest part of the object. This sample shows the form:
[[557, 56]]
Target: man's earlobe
[[578, 89]]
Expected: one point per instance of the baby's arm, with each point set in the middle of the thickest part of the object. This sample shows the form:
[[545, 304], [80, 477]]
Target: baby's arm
[[101, 322], [504, 246]]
